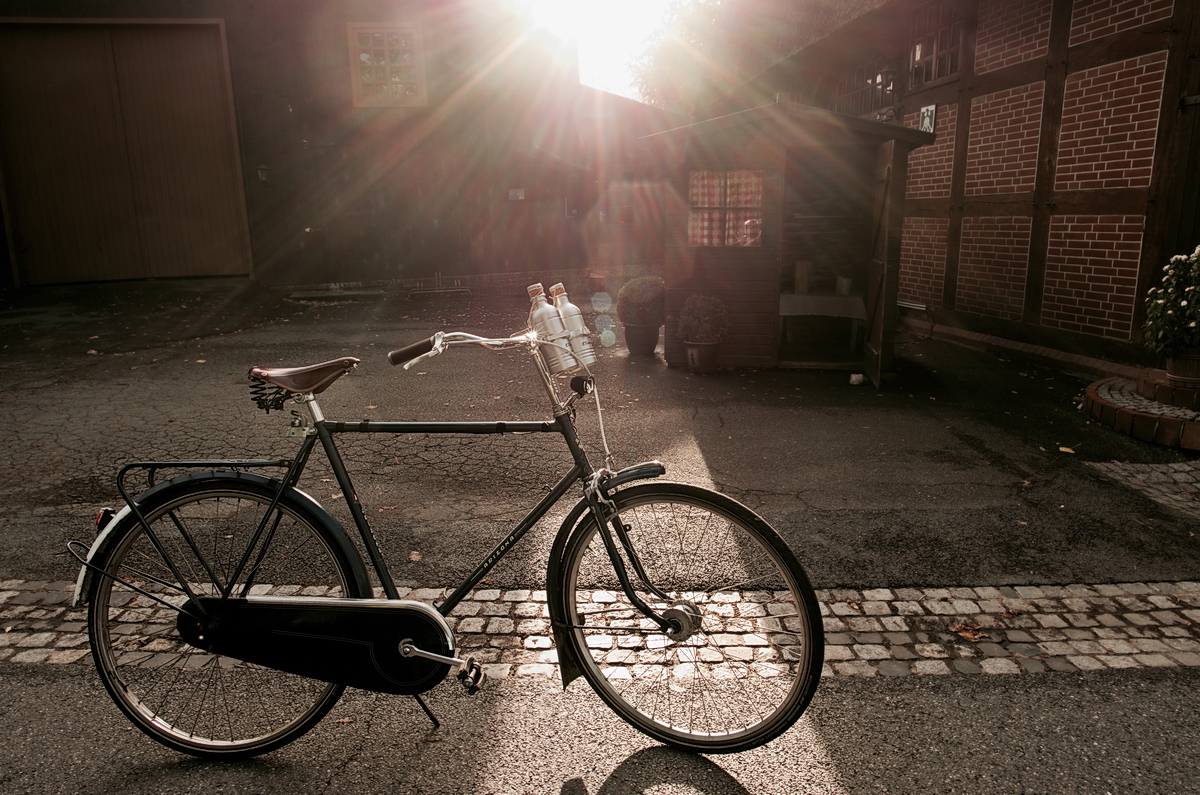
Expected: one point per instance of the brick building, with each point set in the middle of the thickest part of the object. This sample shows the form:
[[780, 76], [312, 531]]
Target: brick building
[[1065, 170]]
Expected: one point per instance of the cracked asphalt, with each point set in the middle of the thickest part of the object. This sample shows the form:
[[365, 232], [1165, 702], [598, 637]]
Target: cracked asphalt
[[972, 470]]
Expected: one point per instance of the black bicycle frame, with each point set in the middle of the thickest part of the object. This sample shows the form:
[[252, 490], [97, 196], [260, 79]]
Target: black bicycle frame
[[324, 430], [562, 425]]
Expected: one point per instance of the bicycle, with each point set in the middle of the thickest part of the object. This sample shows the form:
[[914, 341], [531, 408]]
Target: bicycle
[[228, 610]]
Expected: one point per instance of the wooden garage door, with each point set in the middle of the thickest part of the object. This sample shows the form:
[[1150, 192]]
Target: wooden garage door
[[118, 153]]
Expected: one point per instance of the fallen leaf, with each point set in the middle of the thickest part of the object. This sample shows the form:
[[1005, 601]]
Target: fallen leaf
[[1065, 450], [969, 632]]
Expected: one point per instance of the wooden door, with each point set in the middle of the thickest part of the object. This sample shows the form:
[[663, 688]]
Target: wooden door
[[118, 153]]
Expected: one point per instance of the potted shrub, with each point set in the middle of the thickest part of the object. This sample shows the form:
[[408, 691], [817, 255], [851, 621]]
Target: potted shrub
[[641, 309], [1173, 319], [702, 325]]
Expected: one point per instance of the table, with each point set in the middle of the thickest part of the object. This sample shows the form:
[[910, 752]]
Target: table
[[824, 305]]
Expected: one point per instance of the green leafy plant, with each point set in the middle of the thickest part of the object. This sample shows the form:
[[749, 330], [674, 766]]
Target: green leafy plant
[[641, 302], [703, 318], [1173, 308]]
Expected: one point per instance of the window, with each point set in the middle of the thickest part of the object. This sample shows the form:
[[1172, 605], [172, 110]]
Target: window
[[868, 88], [937, 41], [387, 65], [726, 208]]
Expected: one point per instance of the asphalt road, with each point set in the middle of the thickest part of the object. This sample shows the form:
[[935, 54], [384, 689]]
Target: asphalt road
[[1085, 733], [953, 476]]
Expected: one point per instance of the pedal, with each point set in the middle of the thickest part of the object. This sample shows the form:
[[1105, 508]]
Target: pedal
[[471, 676]]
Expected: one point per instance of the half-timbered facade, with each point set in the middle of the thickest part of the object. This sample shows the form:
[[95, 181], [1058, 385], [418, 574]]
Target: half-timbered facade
[[1065, 170]]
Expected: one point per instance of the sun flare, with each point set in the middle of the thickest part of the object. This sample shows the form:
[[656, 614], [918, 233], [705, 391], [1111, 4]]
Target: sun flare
[[610, 34]]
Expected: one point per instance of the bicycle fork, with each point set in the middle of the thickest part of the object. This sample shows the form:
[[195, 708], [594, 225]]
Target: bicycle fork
[[608, 521]]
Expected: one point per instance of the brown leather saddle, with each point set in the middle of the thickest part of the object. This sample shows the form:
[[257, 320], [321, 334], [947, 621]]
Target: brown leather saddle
[[313, 378]]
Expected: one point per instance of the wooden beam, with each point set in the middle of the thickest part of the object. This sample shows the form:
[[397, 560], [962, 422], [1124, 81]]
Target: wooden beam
[[1047, 163], [1173, 204], [962, 141]]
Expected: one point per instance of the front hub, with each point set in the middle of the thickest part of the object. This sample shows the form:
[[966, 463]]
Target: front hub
[[685, 617]]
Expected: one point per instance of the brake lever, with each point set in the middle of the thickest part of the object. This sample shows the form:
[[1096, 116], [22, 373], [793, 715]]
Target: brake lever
[[439, 345]]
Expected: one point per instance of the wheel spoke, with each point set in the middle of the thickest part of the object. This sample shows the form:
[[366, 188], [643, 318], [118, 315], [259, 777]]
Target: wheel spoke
[[189, 698], [739, 676]]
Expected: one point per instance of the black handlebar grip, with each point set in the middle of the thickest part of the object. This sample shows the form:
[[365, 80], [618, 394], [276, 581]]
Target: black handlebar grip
[[410, 352]]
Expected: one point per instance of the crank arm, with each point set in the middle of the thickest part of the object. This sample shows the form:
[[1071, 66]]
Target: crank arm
[[469, 671], [407, 649]]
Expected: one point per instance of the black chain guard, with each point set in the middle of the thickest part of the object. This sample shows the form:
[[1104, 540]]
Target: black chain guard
[[354, 642]]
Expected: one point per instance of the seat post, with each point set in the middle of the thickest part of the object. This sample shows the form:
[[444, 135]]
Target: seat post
[[310, 400]]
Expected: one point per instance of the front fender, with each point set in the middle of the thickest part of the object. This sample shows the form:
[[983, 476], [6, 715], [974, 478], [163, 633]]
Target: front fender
[[570, 667]]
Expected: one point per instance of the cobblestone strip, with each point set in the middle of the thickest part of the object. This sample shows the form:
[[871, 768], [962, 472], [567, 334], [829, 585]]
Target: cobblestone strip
[[872, 632], [1173, 485]]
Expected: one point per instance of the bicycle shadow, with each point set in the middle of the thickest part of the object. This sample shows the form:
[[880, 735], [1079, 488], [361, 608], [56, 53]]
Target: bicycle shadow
[[653, 767]]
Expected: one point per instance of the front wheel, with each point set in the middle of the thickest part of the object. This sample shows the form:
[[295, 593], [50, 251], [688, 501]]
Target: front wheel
[[744, 654], [204, 529]]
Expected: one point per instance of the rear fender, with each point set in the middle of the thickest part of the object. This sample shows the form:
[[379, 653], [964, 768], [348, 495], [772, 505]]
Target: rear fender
[[99, 548]]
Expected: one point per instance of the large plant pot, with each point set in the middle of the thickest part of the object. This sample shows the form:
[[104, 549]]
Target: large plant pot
[[1183, 369], [702, 356], [641, 340]]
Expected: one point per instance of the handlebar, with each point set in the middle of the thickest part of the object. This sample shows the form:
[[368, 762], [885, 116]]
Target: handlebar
[[580, 385], [411, 354]]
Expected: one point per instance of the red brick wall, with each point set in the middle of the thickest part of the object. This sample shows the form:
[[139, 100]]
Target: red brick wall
[[1003, 144], [1011, 31], [930, 167], [1110, 118], [1092, 19], [992, 265], [1091, 274], [1106, 143], [923, 260]]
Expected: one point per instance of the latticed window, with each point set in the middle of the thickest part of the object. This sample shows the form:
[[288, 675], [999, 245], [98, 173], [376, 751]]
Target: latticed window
[[868, 88], [387, 65], [937, 41], [726, 208]]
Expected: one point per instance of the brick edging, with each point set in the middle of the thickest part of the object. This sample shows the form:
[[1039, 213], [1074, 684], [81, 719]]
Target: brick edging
[[1145, 426]]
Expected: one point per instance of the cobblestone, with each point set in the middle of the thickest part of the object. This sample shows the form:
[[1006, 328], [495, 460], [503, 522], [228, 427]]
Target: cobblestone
[[1173, 485], [985, 631]]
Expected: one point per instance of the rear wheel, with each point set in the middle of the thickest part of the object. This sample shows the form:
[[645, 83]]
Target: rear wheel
[[744, 655], [184, 697]]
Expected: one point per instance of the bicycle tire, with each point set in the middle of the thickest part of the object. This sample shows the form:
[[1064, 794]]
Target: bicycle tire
[[184, 697], [752, 661]]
